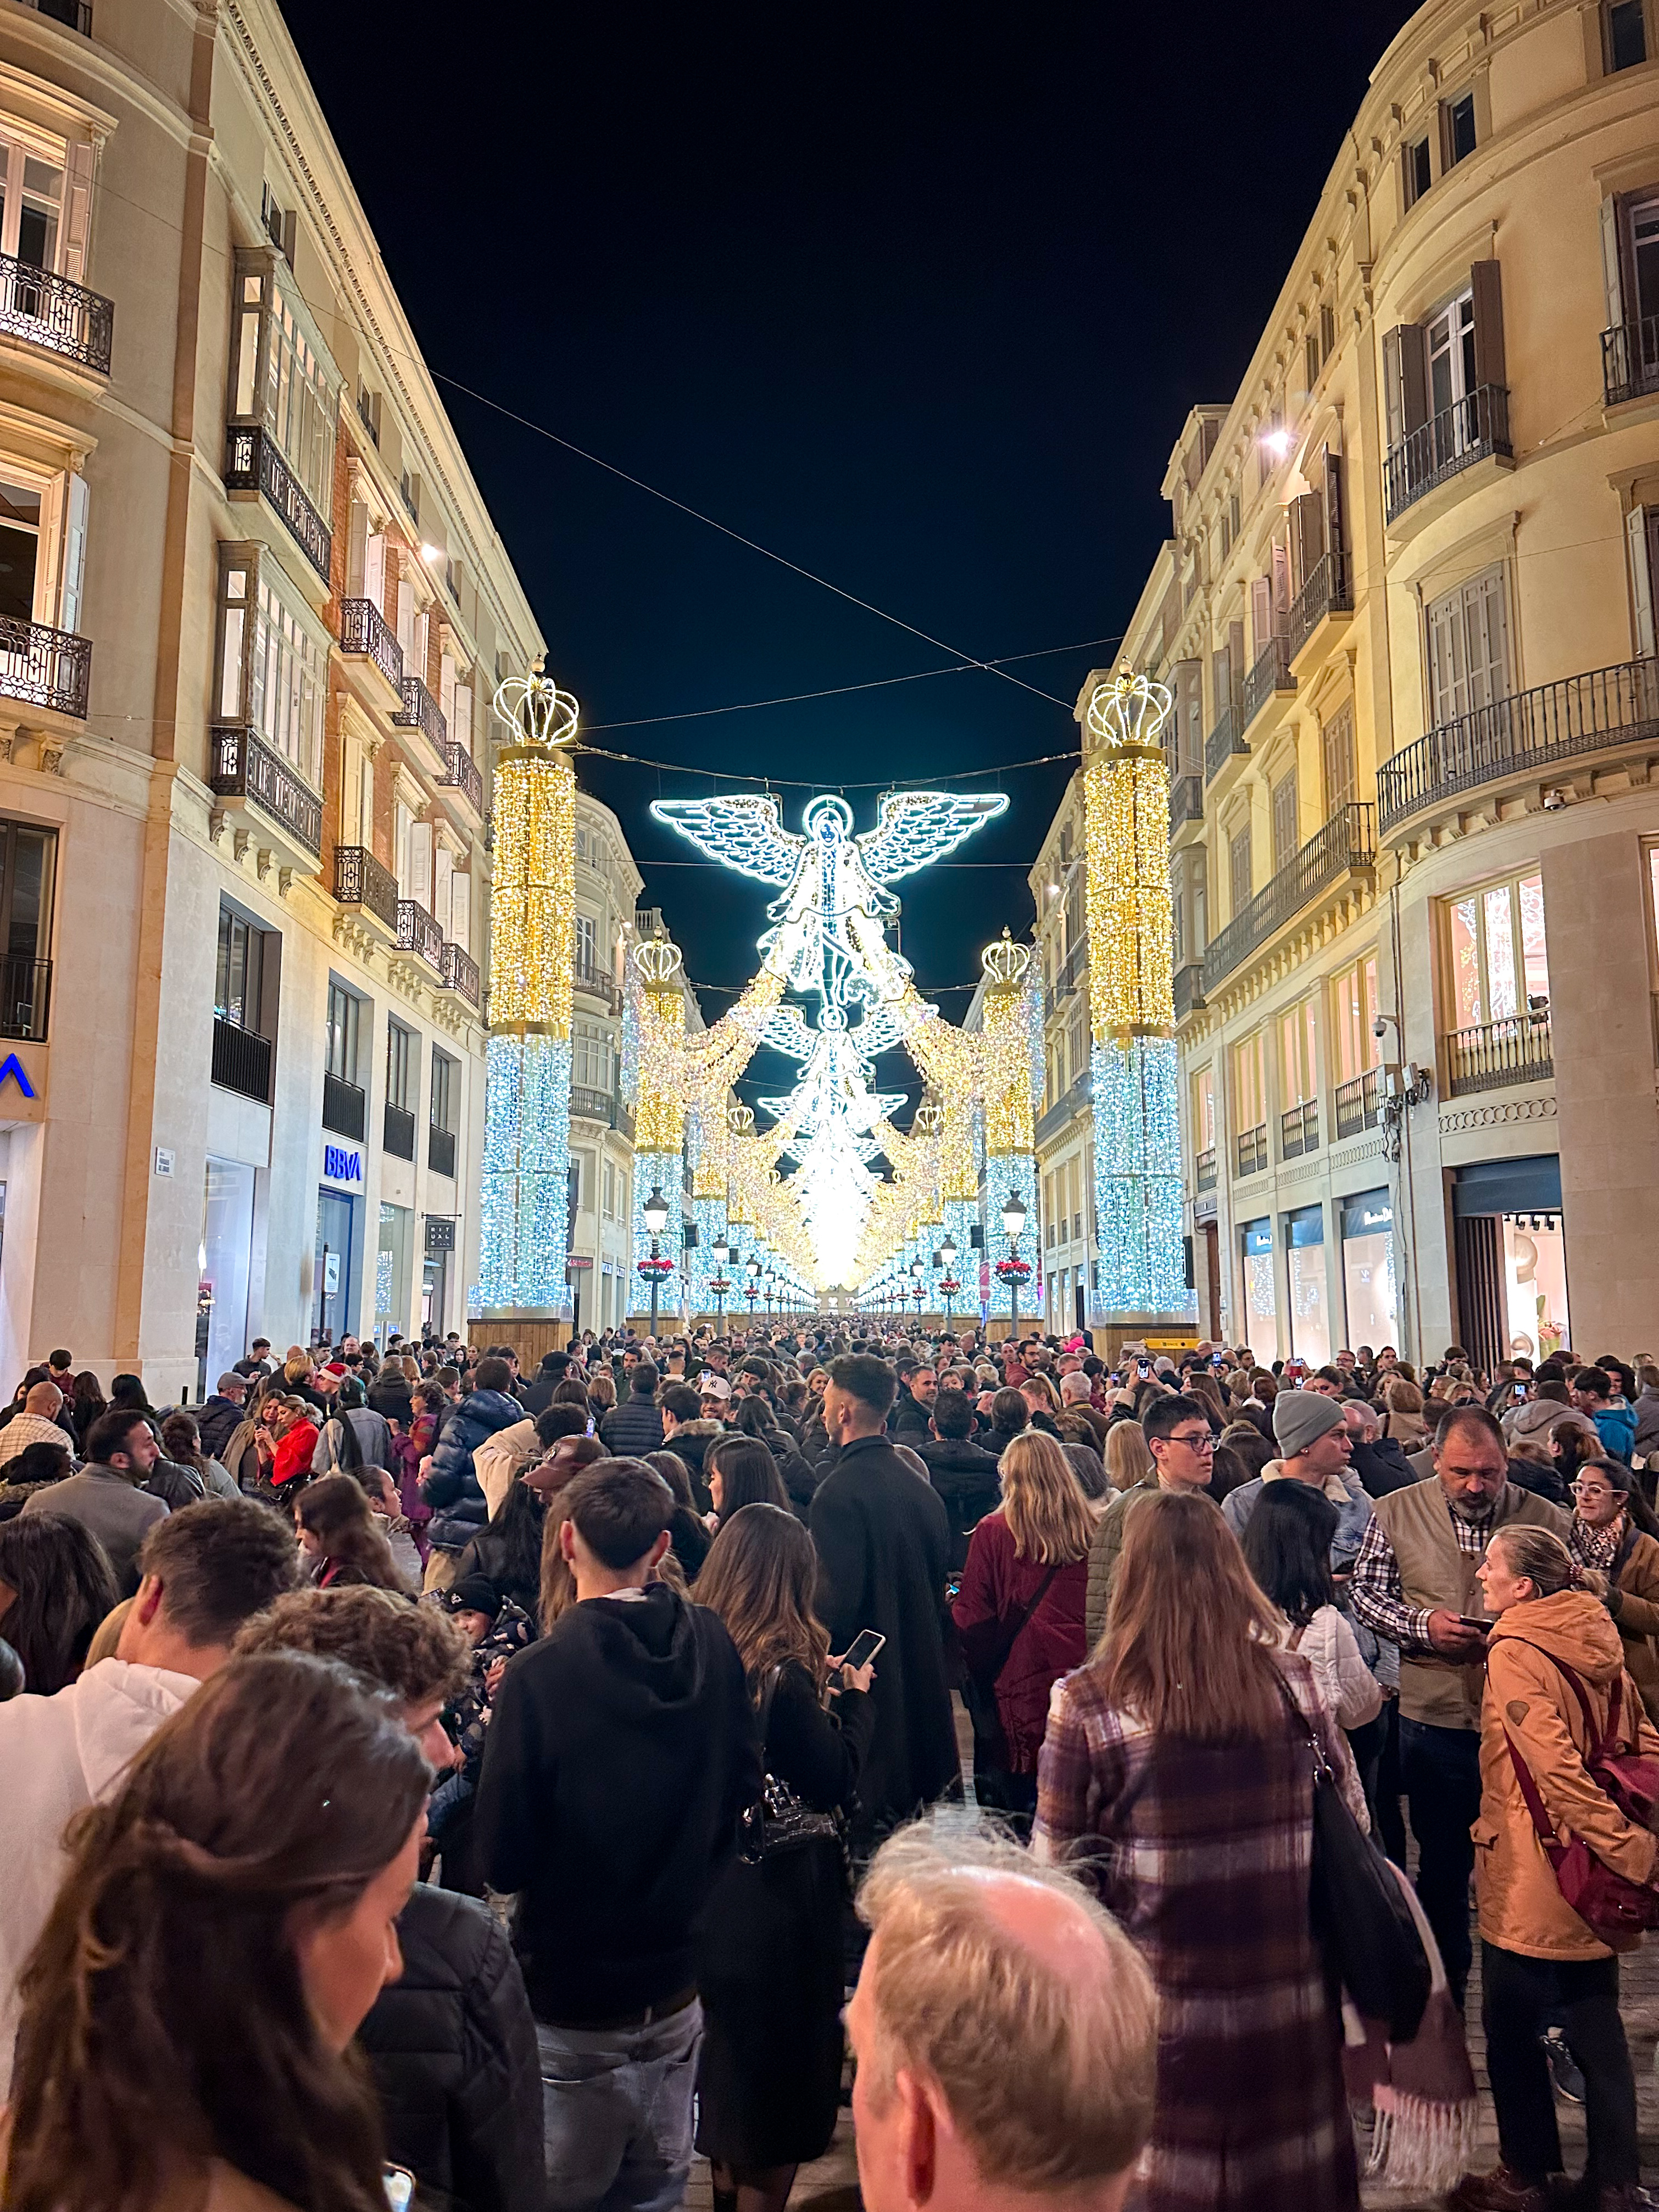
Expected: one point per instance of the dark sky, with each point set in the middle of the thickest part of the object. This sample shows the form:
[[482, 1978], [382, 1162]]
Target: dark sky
[[917, 297]]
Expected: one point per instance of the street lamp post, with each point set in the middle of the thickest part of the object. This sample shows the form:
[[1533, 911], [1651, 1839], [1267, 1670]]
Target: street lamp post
[[720, 1251], [753, 1290], [1013, 1221], [654, 1212], [948, 1284]]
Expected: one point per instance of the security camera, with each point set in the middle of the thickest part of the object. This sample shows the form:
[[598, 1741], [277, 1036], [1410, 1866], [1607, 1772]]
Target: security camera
[[1554, 800], [1379, 1027]]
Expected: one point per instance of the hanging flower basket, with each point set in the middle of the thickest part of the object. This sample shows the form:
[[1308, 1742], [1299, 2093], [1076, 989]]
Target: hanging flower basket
[[660, 1266], [1013, 1271]]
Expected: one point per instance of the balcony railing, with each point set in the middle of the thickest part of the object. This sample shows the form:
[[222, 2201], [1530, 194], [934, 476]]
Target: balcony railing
[[245, 767], [1252, 1150], [1298, 1130], [45, 667], [1188, 988], [24, 996], [398, 1132], [365, 632], [1327, 591], [1186, 801], [1358, 1101], [1515, 1049], [1073, 970], [1520, 735], [1270, 673], [1347, 841], [460, 973], [1454, 440], [1629, 360], [441, 1150], [1064, 1109], [464, 775], [419, 933], [73, 14], [598, 983], [1204, 1171], [48, 311], [601, 1106], [252, 463], [1225, 740], [362, 880], [242, 1060], [345, 1109], [421, 711]]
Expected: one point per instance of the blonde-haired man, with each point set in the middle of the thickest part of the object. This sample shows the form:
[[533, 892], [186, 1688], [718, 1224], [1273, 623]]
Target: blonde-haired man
[[1005, 2030]]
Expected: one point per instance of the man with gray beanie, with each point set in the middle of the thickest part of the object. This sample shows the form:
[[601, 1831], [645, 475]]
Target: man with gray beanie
[[1313, 1448]]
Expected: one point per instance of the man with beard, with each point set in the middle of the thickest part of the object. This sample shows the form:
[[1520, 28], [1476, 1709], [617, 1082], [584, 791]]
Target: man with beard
[[1414, 1582]]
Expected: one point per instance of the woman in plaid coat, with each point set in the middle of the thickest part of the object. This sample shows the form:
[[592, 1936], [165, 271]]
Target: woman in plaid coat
[[1177, 1778]]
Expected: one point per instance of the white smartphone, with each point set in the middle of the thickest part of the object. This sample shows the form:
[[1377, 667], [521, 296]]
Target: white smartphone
[[863, 1648]]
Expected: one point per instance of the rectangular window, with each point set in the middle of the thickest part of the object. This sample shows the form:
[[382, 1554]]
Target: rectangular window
[[237, 970], [31, 201], [587, 942], [1418, 174], [1238, 869], [444, 1071], [1469, 647], [1233, 516], [1283, 810], [272, 666], [1203, 1111], [1327, 333], [1356, 1047], [19, 548], [1297, 1037], [1341, 774], [401, 1060], [1626, 35], [345, 1010], [1496, 955], [1458, 128], [1250, 1082], [1311, 361]]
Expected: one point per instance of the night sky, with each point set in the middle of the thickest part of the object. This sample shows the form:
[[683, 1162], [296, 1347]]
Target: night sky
[[918, 298]]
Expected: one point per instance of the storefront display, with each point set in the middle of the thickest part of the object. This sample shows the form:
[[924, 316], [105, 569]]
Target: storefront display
[[1371, 1295]]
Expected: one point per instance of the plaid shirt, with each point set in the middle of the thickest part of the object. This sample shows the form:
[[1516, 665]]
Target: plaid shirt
[[1376, 1594]]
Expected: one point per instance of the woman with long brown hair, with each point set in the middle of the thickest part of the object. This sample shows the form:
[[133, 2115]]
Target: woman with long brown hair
[[1019, 1614], [771, 1967], [225, 1923], [1176, 1773], [341, 1539]]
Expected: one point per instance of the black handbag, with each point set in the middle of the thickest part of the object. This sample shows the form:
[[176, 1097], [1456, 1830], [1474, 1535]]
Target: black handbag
[[1362, 1921], [780, 1819]]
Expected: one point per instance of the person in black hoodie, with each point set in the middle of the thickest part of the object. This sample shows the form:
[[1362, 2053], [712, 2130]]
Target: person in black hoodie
[[620, 1759], [964, 1476]]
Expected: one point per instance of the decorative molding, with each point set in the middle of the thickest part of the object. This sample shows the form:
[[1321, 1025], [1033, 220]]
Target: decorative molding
[[353, 935], [1456, 1119], [405, 979], [447, 1016]]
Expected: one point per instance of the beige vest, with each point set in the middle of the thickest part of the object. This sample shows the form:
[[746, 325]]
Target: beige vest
[[1434, 1571]]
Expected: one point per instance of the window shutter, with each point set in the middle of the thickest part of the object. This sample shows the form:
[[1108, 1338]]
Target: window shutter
[[374, 568], [460, 886], [1335, 539], [1488, 323], [1613, 269], [1308, 523], [1638, 538], [442, 876], [1261, 613], [75, 553], [1406, 380], [446, 688], [460, 728], [420, 863], [77, 212]]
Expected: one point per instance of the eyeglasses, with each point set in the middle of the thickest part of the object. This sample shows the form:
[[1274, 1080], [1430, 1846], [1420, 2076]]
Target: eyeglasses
[[1195, 1439], [1590, 1489]]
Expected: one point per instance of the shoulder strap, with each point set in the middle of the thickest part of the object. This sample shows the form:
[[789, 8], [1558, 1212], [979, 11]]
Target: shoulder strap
[[1535, 1804], [1012, 1629], [768, 1692], [1597, 1741]]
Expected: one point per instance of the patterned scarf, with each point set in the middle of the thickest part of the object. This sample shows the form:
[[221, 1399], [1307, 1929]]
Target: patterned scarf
[[1595, 1548]]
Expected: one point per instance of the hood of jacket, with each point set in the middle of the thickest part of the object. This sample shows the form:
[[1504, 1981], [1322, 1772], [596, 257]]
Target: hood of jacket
[[116, 1707], [1572, 1626], [697, 1428], [1539, 1415], [1339, 1491], [644, 1662]]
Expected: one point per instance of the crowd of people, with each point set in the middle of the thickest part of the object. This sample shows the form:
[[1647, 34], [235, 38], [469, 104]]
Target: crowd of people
[[436, 1783]]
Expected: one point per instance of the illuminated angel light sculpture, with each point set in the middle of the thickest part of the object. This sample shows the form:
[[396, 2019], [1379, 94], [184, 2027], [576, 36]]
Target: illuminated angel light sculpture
[[1134, 1066], [524, 1186]]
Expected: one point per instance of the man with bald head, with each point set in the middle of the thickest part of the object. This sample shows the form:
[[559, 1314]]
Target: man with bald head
[[1004, 2028], [38, 1423]]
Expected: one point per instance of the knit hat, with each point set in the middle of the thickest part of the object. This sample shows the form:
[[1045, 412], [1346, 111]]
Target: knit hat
[[1301, 1418], [473, 1594]]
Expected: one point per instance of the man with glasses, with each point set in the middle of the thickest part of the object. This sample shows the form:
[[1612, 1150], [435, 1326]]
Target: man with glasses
[[1178, 1433], [1414, 1582]]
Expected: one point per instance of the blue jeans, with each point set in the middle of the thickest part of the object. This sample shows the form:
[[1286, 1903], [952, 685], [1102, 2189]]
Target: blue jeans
[[1440, 1772], [617, 2113]]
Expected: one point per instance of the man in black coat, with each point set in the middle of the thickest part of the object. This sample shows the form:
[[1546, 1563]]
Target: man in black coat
[[884, 1543], [965, 1477], [1380, 1461]]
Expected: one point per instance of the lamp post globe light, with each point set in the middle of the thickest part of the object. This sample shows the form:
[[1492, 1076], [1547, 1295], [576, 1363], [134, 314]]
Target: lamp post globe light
[[1013, 1268], [653, 1211]]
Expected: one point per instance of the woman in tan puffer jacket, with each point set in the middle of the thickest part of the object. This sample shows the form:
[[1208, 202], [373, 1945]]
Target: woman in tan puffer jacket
[[1539, 1960]]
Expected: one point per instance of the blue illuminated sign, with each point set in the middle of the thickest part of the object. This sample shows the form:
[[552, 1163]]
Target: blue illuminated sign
[[12, 1066], [340, 1163]]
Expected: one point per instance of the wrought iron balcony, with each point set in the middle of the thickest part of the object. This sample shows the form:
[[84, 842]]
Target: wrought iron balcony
[[345, 1107], [398, 1132], [1522, 735], [1327, 591], [1204, 1171], [1358, 1102], [464, 775], [1298, 1130], [365, 633], [253, 463], [1454, 440], [1188, 988], [1515, 1049], [1346, 842], [1186, 801], [24, 996], [460, 974], [46, 667], [1629, 360], [421, 711], [1226, 739], [1270, 674], [419, 933], [245, 767], [48, 311], [601, 1106], [440, 1150], [598, 983], [362, 880], [242, 1060], [1251, 1150]]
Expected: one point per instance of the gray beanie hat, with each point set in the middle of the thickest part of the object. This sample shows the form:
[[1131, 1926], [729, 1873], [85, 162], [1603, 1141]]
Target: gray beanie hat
[[1301, 1417]]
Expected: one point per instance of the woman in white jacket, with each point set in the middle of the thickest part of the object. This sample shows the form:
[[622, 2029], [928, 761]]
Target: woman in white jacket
[[1287, 1548]]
